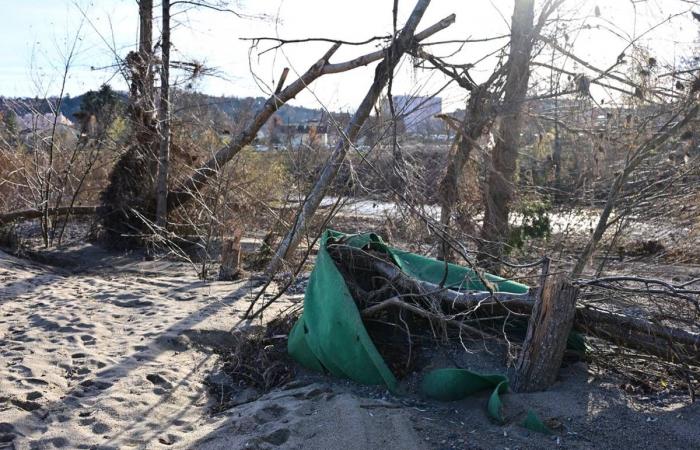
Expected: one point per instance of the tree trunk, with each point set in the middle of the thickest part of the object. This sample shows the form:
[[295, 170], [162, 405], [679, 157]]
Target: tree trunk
[[476, 120], [328, 173], [548, 329], [128, 200], [499, 190], [164, 112]]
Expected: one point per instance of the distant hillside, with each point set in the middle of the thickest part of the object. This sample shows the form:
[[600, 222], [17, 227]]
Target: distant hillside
[[230, 106]]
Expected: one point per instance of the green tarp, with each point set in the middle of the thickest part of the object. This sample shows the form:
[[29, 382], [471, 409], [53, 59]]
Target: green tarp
[[331, 337]]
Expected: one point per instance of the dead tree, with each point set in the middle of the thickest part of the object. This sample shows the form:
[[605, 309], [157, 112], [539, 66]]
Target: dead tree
[[129, 201], [384, 71], [498, 194], [478, 117]]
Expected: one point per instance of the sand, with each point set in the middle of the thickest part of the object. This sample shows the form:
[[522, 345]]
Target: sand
[[109, 351], [107, 359]]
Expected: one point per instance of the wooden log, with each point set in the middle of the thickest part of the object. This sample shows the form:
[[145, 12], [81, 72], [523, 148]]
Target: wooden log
[[668, 343], [29, 214], [635, 333], [591, 319], [547, 332]]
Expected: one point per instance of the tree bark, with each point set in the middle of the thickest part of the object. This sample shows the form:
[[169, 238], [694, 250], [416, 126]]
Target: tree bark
[[498, 194], [164, 113], [384, 70], [548, 329]]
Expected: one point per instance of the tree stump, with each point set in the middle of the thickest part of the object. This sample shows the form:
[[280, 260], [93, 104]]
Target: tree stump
[[231, 256], [548, 329]]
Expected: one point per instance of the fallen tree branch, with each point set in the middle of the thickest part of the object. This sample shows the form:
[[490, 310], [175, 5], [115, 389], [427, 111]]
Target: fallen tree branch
[[587, 316], [397, 302], [29, 214], [636, 333]]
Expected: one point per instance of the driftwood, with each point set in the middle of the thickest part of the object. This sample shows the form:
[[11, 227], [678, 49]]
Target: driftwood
[[29, 214], [670, 343]]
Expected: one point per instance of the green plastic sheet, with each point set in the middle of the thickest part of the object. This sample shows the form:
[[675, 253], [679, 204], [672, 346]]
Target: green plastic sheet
[[331, 337]]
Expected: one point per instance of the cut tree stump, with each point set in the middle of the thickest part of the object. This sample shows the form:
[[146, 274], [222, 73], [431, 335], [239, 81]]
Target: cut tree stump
[[548, 329], [231, 256]]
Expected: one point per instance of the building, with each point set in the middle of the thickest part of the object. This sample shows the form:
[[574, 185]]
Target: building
[[417, 114]]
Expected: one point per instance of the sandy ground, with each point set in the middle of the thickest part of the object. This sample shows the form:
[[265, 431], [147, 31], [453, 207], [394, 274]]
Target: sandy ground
[[108, 358], [112, 352]]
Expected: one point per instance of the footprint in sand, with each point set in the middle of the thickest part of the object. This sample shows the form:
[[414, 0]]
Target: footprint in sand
[[25, 404], [275, 438], [269, 414], [159, 380], [93, 384], [134, 303], [36, 381], [168, 439], [88, 339], [101, 428]]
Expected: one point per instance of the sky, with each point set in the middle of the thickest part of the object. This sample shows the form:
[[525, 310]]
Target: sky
[[37, 36]]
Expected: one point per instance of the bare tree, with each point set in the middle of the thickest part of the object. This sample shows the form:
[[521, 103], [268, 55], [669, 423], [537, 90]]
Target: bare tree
[[477, 118], [498, 194], [636, 157], [203, 174]]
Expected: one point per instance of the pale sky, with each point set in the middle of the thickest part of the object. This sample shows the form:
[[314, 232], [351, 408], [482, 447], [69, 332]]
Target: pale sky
[[36, 33]]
